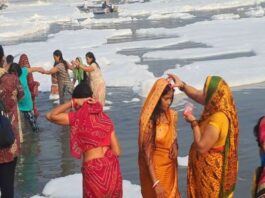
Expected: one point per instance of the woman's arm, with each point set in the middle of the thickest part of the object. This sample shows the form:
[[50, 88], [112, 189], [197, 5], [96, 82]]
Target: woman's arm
[[205, 140], [51, 71], [85, 68], [115, 145], [191, 92], [58, 115], [36, 69], [71, 66]]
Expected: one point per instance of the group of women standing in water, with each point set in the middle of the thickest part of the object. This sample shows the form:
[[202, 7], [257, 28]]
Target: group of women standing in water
[[213, 158]]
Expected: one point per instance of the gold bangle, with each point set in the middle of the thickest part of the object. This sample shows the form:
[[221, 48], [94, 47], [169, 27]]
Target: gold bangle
[[182, 87]]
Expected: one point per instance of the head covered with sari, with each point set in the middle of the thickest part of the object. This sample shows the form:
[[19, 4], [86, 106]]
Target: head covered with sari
[[78, 72], [149, 106], [219, 99]]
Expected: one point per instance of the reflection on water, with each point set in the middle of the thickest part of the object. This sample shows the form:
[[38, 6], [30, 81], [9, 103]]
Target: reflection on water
[[46, 155]]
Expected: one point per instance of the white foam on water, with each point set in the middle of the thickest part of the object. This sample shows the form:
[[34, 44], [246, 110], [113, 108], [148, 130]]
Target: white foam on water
[[183, 161], [255, 12], [226, 37], [195, 53], [225, 16], [71, 186], [132, 100], [171, 15]]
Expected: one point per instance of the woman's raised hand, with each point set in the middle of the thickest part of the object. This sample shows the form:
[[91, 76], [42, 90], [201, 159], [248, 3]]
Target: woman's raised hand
[[176, 81], [80, 101], [189, 117]]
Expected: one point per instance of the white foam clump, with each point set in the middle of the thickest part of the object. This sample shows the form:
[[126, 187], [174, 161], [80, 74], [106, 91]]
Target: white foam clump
[[24, 20], [115, 67], [240, 36], [225, 16], [183, 161], [160, 7], [132, 100], [171, 15], [255, 12], [71, 186]]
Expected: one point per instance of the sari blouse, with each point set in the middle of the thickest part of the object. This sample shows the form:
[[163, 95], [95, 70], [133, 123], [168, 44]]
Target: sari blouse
[[90, 128]]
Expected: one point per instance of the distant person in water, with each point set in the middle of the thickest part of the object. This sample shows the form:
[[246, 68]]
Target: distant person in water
[[60, 69], [26, 103], [32, 84], [79, 74], [94, 139], [96, 78], [259, 177]]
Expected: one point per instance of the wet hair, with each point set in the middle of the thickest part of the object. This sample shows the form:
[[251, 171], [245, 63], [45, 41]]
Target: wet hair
[[256, 130], [2, 54], [15, 69], [82, 90], [59, 54], [9, 59], [92, 56], [157, 112]]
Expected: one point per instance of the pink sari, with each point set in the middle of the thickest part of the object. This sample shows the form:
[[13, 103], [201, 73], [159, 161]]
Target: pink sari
[[92, 128]]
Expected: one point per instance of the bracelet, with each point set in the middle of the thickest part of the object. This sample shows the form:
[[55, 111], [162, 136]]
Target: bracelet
[[194, 123], [182, 87], [155, 184]]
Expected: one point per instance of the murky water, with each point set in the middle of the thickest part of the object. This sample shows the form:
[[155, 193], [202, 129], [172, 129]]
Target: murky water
[[45, 155]]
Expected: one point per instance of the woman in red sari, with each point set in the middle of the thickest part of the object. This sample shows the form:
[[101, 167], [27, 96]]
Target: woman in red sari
[[33, 85], [93, 138]]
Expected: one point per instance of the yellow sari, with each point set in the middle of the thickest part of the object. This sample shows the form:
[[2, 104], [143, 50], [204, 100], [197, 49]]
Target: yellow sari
[[165, 168], [214, 174]]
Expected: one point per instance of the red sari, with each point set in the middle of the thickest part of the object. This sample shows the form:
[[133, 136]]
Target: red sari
[[92, 128], [33, 85]]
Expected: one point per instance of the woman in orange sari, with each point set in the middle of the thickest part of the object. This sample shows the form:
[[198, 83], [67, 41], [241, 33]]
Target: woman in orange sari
[[158, 144], [213, 158]]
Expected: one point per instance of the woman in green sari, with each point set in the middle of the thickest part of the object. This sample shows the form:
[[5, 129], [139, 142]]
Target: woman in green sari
[[213, 157], [79, 74]]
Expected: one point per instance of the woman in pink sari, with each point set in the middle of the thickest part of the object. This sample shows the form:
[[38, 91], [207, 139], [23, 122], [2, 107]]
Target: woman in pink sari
[[93, 138]]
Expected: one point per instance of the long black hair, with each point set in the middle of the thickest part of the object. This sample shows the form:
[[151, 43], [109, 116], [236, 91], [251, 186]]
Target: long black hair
[[15, 69], [59, 54], [256, 130], [2, 54], [157, 112], [82, 90], [92, 56]]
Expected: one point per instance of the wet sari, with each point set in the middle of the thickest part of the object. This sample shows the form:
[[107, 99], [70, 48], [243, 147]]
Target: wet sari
[[214, 174], [165, 168], [92, 128]]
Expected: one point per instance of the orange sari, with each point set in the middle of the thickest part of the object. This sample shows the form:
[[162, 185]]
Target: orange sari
[[214, 174], [165, 169]]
